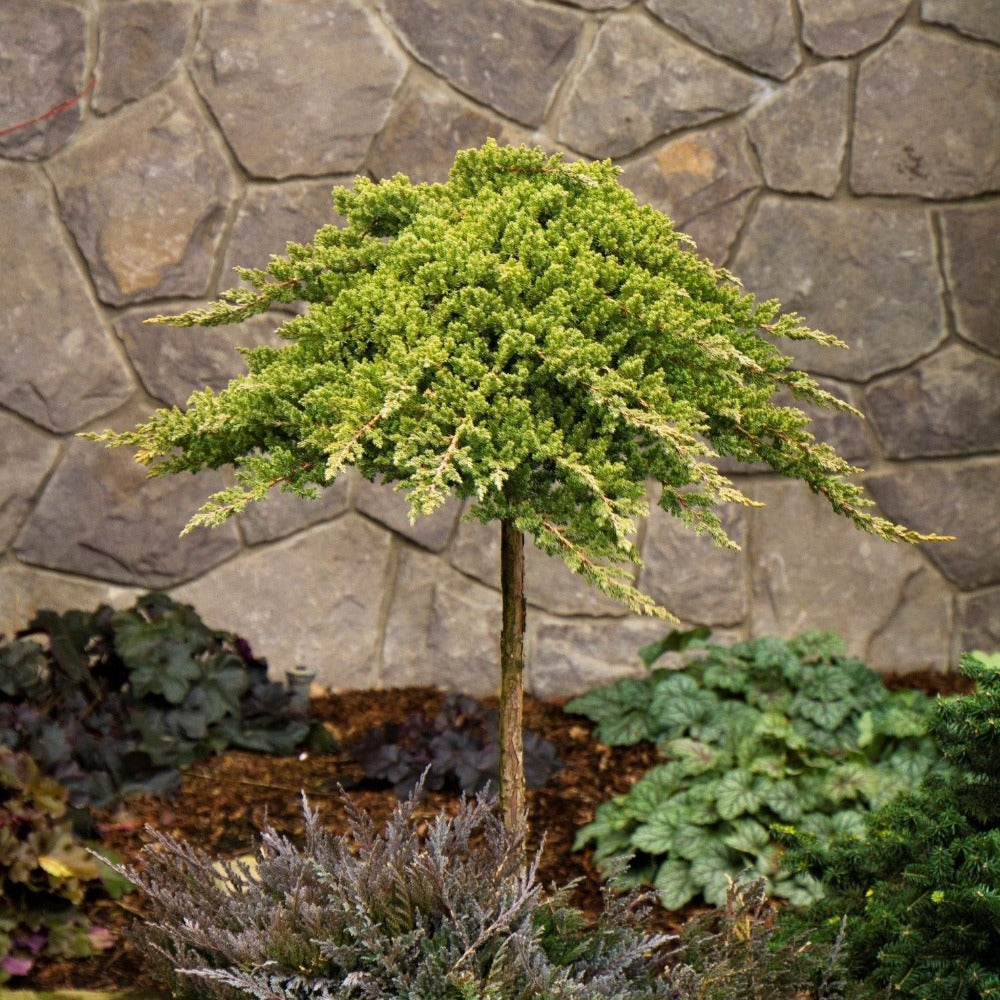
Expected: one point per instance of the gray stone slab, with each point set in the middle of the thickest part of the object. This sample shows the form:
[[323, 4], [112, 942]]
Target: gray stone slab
[[598, 4], [690, 575], [43, 49], [25, 590], [813, 570], [60, 367], [507, 54], [572, 656], [427, 127], [172, 362], [971, 254], [272, 215], [145, 194], [975, 18], [100, 517], [800, 133], [442, 629], [864, 273], [947, 404], [760, 34], [308, 102], [549, 583], [313, 599], [927, 118], [949, 498], [704, 180], [141, 42], [390, 507], [282, 514], [26, 456], [638, 84], [979, 622], [836, 28]]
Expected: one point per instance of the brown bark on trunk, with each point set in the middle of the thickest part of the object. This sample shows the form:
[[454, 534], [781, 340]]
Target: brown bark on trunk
[[512, 798]]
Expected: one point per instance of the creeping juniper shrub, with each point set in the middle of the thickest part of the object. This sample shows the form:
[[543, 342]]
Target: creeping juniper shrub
[[921, 887], [446, 908]]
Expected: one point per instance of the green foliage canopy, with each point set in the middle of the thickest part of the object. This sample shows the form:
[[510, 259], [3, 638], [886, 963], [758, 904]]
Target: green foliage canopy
[[525, 336]]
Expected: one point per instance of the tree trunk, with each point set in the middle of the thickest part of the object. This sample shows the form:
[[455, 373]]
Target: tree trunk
[[512, 799]]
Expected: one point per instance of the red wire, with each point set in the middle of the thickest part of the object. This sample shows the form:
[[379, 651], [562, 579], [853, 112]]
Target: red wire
[[52, 112]]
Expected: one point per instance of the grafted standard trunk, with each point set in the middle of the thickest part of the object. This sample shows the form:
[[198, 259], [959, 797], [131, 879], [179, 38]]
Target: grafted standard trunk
[[512, 799]]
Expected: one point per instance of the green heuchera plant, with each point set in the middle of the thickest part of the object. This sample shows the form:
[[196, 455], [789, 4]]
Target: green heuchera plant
[[763, 732], [525, 337], [45, 872], [111, 702], [398, 914], [921, 887]]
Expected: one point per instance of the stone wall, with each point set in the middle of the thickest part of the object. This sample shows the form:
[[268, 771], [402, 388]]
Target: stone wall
[[843, 155]]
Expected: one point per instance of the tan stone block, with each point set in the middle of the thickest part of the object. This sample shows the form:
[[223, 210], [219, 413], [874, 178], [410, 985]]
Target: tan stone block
[[145, 194], [442, 629], [867, 274], [60, 366], [390, 507], [836, 28], [509, 55], [760, 34], [813, 570], [927, 118], [638, 84], [26, 456], [43, 52], [100, 516], [24, 591], [690, 575], [800, 133], [704, 181], [313, 599], [141, 42], [548, 582], [311, 98]]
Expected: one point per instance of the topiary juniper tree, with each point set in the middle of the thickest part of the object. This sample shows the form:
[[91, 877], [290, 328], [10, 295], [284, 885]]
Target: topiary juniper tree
[[528, 338]]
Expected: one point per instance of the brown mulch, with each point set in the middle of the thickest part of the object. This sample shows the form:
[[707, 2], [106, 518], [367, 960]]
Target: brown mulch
[[225, 801]]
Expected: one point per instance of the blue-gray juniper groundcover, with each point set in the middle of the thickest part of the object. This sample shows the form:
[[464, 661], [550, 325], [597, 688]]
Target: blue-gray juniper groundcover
[[528, 338]]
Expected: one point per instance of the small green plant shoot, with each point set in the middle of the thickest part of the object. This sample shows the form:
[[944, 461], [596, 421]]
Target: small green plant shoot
[[527, 338]]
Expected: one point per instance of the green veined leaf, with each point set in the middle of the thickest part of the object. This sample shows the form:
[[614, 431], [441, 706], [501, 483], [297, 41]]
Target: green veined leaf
[[747, 836], [735, 794], [674, 884], [784, 799], [691, 841], [701, 754], [655, 787], [825, 714], [714, 873], [609, 821]]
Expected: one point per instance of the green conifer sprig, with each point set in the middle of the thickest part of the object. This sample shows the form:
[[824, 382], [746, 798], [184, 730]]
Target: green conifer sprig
[[524, 336]]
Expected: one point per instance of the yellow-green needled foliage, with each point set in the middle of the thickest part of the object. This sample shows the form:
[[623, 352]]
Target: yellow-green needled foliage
[[524, 336]]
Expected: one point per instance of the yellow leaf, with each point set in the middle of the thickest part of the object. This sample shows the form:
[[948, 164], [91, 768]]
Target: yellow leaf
[[55, 867]]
